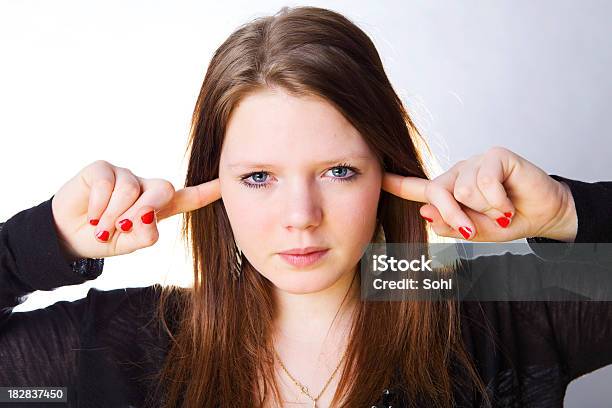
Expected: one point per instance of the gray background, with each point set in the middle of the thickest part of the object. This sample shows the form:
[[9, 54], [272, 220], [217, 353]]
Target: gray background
[[530, 76]]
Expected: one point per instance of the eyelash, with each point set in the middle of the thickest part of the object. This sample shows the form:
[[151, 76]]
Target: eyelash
[[341, 180]]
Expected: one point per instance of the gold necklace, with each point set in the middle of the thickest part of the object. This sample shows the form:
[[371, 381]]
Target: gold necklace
[[302, 387]]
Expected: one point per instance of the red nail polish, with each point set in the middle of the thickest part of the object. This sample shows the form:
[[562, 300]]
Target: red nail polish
[[465, 231], [125, 224], [427, 218], [148, 217], [503, 221], [103, 235], [508, 214], [94, 222]]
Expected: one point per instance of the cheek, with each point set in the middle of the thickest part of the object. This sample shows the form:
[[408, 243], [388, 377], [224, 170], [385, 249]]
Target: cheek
[[354, 214], [248, 220]]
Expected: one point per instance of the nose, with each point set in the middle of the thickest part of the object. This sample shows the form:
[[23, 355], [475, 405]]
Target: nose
[[302, 207]]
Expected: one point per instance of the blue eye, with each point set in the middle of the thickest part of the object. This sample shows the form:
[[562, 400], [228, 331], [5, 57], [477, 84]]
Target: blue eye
[[258, 177], [343, 173], [339, 172]]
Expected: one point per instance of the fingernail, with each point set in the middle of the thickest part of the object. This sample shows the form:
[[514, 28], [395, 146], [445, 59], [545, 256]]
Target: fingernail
[[94, 222], [427, 218], [508, 214], [125, 224], [103, 235], [503, 221], [148, 217], [466, 232]]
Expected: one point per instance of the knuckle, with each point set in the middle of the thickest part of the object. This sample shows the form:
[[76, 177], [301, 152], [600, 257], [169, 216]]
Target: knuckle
[[100, 163], [125, 172], [486, 180], [497, 151], [458, 164], [104, 184], [463, 193], [131, 175], [128, 189], [166, 188]]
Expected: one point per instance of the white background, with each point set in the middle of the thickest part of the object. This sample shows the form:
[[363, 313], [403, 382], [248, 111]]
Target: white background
[[118, 80]]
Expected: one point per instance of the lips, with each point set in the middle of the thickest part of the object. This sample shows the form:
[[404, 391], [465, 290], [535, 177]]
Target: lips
[[304, 259], [302, 251]]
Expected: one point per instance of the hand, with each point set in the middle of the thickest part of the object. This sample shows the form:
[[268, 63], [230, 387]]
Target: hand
[[497, 196], [125, 206]]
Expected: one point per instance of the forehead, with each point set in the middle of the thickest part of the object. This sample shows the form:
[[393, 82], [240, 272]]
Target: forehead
[[273, 125]]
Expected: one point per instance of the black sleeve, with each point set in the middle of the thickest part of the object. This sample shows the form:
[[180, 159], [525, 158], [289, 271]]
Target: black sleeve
[[583, 329], [593, 203], [573, 336], [38, 347]]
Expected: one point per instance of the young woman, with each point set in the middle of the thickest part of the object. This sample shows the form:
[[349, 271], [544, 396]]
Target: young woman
[[301, 154]]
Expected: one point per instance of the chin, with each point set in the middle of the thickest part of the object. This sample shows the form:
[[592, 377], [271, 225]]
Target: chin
[[302, 282]]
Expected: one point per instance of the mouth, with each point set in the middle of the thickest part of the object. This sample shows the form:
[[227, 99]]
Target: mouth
[[303, 257]]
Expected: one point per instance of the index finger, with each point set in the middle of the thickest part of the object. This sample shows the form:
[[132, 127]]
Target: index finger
[[406, 187], [191, 198]]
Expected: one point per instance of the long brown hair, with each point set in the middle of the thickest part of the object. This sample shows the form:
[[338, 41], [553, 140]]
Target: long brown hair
[[220, 341]]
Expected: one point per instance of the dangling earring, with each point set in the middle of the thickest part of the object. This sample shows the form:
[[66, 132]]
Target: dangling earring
[[379, 236], [237, 269]]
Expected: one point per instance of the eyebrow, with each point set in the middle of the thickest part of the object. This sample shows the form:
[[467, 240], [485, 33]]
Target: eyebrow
[[260, 165]]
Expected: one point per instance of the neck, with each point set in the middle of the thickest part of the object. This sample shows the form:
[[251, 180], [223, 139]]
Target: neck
[[309, 317]]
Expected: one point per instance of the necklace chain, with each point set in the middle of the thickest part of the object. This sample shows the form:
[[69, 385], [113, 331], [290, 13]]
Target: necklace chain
[[302, 387]]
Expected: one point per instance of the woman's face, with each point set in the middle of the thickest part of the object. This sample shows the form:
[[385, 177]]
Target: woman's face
[[294, 173]]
